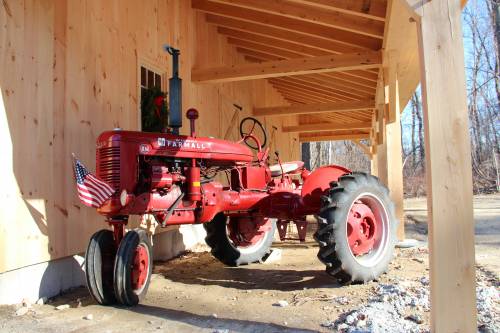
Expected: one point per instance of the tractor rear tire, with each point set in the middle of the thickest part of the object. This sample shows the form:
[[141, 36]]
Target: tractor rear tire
[[230, 254], [133, 267], [99, 262], [348, 258]]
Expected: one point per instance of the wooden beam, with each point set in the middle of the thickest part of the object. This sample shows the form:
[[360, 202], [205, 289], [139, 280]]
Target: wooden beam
[[311, 96], [393, 78], [269, 49], [340, 79], [286, 23], [275, 42], [394, 148], [448, 169], [334, 137], [263, 57], [374, 9], [260, 49], [328, 87], [313, 14], [374, 164], [330, 92], [363, 147], [326, 127], [282, 34], [314, 108], [380, 98], [297, 66]]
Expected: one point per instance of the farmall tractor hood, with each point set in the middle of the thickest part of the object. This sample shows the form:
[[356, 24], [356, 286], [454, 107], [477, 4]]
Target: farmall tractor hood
[[179, 146]]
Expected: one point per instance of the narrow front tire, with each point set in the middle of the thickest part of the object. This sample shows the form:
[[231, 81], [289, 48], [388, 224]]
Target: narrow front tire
[[99, 262], [133, 267]]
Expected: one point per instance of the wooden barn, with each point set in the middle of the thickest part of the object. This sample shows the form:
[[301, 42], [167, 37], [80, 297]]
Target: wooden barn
[[310, 70]]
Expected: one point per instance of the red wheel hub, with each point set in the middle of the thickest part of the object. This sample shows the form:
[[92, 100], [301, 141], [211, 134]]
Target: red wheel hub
[[140, 267], [245, 232], [362, 229]]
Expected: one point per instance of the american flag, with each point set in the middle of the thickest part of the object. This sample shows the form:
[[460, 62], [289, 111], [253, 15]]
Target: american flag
[[92, 191]]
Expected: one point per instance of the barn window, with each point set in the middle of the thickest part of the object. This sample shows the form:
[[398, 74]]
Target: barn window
[[149, 79], [153, 101]]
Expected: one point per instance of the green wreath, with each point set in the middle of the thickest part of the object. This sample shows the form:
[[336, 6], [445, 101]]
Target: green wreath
[[154, 110]]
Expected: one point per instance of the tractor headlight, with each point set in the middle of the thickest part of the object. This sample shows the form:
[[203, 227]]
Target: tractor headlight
[[124, 198]]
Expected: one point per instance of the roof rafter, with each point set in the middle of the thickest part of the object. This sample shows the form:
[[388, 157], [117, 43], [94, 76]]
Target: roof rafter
[[374, 9], [314, 14], [282, 34], [358, 80], [330, 84], [286, 23], [334, 137], [296, 66], [313, 97], [319, 89], [321, 127], [315, 108]]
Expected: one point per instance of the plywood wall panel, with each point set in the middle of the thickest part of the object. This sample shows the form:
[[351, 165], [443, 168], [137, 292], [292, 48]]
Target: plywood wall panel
[[68, 71]]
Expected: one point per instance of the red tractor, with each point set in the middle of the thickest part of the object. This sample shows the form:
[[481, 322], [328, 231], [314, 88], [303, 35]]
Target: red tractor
[[172, 177]]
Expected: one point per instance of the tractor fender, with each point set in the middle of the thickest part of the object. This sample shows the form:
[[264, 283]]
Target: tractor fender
[[318, 182]]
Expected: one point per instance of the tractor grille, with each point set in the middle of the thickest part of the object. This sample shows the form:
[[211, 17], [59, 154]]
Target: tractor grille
[[109, 166]]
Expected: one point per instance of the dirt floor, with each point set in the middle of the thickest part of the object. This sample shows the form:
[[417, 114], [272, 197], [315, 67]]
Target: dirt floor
[[196, 293]]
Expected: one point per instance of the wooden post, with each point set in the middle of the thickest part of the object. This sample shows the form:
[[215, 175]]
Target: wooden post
[[394, 149], [449, 175], [382, 147], [374, 165]]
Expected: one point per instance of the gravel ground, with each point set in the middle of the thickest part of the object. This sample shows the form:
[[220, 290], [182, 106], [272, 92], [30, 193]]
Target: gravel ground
[[404, 306]]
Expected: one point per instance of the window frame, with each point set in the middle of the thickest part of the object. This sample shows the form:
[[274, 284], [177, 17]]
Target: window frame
[[155, 67]]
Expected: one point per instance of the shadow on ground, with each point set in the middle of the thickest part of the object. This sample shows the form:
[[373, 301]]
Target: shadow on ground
[[209, 322], [202, 269]]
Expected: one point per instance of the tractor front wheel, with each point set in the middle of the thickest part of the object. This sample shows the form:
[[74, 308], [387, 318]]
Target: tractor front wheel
[[356, 229], [99, 262], [133, 267], [240, 241]]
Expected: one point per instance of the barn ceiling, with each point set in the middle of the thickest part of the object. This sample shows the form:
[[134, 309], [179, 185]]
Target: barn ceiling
[[270, 30]]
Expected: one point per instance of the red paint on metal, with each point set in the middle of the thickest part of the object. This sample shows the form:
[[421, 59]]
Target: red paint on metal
[[318, 182], [140, 267], [193, 183], [248, 231], [161, 177], [118, 226], [362, 229], [192, 115]]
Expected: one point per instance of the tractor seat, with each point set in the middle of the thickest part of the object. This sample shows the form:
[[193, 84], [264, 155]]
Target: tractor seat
[[288, 167]]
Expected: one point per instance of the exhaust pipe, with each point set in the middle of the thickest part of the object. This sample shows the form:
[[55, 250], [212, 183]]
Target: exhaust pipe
[[175, 92]]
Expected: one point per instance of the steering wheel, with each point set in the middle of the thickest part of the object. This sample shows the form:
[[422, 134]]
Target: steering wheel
[[248, 127]]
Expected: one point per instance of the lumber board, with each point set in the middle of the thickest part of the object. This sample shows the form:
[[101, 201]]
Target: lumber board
[[393, 146], [374, 9], [324, 16], [297, 66], [337, 137], [448, 169], [290, 24], [303, 128], [314, 108]]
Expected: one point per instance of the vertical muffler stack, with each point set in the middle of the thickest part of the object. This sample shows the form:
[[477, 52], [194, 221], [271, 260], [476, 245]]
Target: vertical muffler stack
[[175, 92]]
